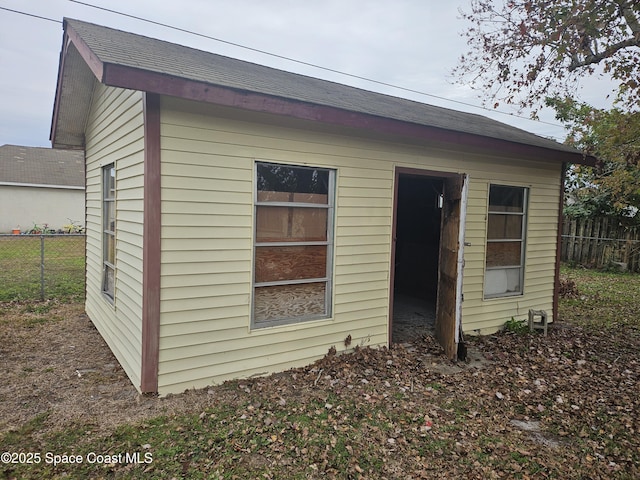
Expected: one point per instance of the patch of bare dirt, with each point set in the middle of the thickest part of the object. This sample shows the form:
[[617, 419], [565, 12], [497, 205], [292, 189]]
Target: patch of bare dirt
[[56, 362], [433, 360], [53, 360]]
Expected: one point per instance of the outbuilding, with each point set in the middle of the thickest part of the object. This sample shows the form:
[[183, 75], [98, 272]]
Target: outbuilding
[[40, 188], [242, 220]]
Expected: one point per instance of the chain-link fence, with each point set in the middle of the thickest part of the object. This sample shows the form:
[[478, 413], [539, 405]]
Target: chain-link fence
[[39, 267]]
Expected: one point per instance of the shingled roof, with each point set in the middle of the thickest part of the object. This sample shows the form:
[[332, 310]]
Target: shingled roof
[[137, 62], [41, 167]]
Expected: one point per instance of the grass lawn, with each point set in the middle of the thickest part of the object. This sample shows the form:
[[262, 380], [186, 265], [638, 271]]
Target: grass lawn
[[561, 406], [604, 300], [20, 267]]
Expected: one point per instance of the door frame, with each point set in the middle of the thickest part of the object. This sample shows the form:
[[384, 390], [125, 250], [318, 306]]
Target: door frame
[[450, 265], [418, 172]]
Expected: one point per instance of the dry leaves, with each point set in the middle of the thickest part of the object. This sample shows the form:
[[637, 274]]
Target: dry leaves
[[562, 406]]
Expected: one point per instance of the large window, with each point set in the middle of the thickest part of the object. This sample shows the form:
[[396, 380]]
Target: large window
[[506, 232], [108, 229], [293, 244]]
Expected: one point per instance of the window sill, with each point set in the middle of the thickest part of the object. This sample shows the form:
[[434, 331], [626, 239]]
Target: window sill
[[289, 326], [502, 296]]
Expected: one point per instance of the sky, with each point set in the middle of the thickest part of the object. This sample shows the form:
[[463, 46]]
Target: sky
[[410, 44]]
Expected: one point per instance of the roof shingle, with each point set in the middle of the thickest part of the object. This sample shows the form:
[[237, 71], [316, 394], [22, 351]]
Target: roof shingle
[[41, 166], [115, 47]]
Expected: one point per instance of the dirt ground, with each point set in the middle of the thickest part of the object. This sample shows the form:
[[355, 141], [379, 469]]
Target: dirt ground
[[54, 360], [57, 362], [568, 401]]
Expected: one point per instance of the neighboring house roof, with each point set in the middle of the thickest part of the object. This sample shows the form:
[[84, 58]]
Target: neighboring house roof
[[127, 60], [37, 166]]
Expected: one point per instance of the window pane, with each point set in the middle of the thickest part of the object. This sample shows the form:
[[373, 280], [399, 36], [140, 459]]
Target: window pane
[[502, 254], [109, 249], [300, 184], [271, 196], [110, 182], [506, 199], [109, 281], [289, 301], [502, 281], [290, 263], [505, 227], [110, 216], [291, 224]]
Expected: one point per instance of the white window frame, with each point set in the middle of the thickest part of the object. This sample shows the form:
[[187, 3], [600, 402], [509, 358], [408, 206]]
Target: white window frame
[[329, 243], [490, 271], [108, 231]]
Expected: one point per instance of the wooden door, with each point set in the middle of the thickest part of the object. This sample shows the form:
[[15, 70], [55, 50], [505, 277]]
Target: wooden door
[[449, 301]]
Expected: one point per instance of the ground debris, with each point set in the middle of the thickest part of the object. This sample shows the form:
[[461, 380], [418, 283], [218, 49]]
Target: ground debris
[[568, 288], [526, 406]]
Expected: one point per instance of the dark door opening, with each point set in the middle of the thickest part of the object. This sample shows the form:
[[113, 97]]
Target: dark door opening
[[416, 260]]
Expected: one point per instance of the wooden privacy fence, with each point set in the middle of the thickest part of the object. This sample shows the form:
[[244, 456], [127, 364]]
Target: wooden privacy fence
[[600, 243]]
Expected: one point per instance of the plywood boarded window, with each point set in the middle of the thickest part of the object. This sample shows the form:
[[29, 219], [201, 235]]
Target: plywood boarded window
[[506, 232], [108, 230], [293, 244]]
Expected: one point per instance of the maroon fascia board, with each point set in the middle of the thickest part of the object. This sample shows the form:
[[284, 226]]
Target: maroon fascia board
[[136, 79], [152, 82], [92, 61]]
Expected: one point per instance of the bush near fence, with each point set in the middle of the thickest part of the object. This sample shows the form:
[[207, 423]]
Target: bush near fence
[[600, 243], [41, 267]]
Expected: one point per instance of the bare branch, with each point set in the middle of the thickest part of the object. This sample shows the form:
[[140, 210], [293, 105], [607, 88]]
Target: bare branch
[[594, 58]]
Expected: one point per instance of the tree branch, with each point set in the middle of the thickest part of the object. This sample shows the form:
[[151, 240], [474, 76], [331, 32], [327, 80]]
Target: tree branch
[[608, 52], [630, 16]]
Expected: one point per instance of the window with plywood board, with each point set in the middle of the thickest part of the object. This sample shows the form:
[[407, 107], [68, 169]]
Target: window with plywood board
[[294, 208]]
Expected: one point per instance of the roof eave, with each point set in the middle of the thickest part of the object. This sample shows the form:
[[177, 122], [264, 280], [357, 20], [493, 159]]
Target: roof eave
[[56, 101], [93, 62], [123, 76], [71, 39], [162, 84]]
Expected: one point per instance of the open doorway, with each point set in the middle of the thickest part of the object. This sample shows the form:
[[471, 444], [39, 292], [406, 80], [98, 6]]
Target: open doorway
[[427, 258], [417, 232]]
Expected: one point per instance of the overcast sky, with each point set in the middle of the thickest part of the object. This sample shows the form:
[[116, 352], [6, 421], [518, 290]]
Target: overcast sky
[[413, 44]]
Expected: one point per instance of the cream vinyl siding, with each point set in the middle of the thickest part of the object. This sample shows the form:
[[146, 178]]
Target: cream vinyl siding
[[114, 134], [543, 180], [207, 217], [208, 157]]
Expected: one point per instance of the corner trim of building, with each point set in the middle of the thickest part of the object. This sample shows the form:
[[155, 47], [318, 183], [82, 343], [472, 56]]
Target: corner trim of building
[[556, 283], [151, 246]]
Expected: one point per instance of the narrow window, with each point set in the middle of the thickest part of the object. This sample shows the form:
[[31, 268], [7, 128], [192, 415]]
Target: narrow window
[[108, 229], [293, 244], [506, 233]]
